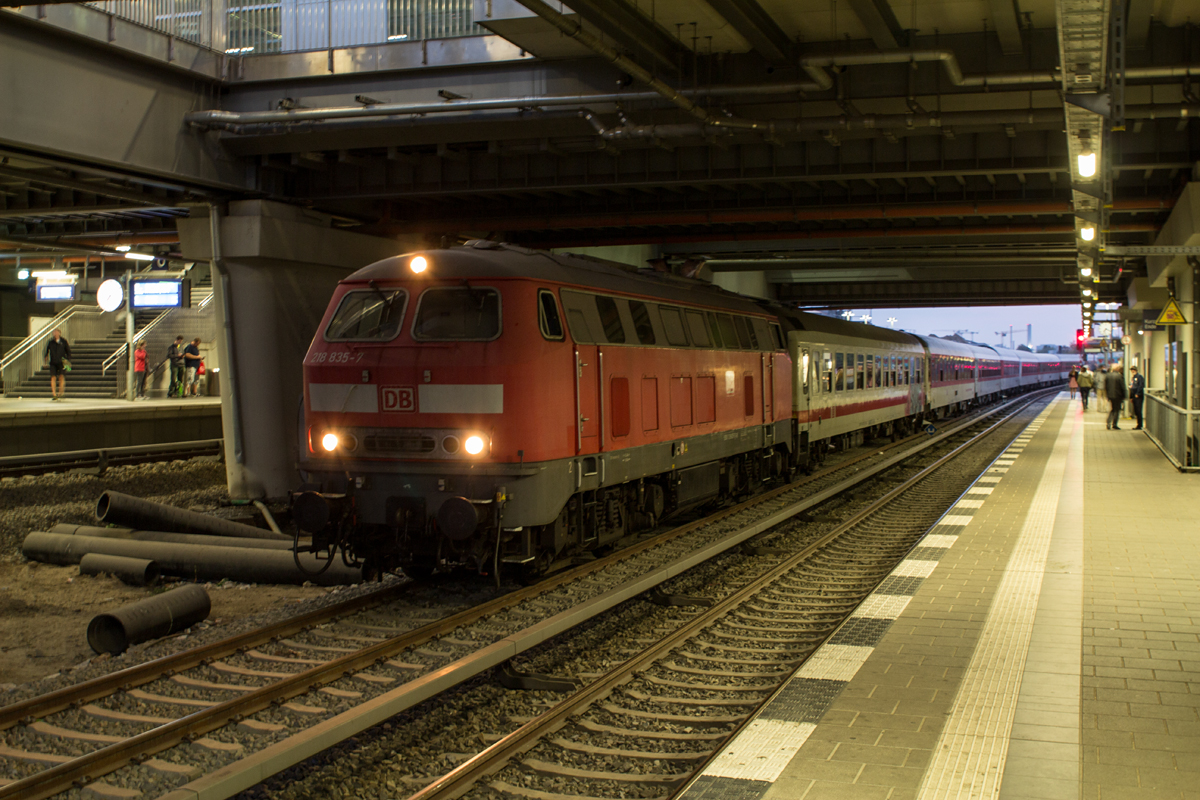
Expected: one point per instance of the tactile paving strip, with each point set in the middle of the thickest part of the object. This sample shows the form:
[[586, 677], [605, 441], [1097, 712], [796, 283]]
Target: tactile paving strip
[[748, 765]]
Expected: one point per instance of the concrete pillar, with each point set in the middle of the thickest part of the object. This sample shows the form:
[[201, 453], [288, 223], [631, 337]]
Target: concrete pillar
[[278, 268]]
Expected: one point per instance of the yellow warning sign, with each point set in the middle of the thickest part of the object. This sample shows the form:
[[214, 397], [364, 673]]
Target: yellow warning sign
[[1171, 314]]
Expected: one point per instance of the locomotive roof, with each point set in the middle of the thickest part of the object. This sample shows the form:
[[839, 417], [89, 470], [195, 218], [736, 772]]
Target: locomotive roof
[[483, 259]]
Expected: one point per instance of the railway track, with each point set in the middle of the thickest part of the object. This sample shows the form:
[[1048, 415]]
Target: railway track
[[649, 725], [223, 717], [99, 460]]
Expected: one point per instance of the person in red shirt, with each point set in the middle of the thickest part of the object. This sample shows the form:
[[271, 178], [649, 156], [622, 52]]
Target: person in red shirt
[[139, 369]]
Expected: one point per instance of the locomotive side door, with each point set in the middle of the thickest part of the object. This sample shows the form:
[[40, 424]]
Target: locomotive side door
[[587, 398]]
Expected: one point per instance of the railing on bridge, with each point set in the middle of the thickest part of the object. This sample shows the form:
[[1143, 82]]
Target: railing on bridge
[[251, 27], [1170, 427]]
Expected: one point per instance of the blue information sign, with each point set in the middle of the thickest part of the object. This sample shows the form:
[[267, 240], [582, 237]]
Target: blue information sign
[[156, 294]]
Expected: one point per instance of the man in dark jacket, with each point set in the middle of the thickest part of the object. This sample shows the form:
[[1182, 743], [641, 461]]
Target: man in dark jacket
[[58, 350], [1137, 393], [1114, 387], [175, 356]]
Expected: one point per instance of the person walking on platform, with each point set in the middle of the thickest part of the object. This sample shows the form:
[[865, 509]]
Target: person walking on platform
[[191, 355], [139, 370], [175, 356], [1073, 381], [1085, 384], [1137, 393], [58, 351], [1114, 388]]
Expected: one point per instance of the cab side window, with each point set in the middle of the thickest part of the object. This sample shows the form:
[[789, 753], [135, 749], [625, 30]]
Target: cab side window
[[548, 319]]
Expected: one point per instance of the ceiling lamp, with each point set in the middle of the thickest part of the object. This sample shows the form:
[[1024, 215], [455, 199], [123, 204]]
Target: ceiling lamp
[[1085, 271], [1087, 163], [1087, 292], [1088, 233]]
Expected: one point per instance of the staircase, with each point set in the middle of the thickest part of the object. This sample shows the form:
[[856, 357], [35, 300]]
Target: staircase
[[87, 355]]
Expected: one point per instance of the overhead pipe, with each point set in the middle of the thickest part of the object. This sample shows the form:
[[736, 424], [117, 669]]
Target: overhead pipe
[[179, 609], [171, 537], [787, 214], [134, 512], [193, 561]]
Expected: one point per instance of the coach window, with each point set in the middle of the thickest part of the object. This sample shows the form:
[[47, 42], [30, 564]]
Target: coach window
[[878, 372], [641, 322], [373, 315], [672, 321], [871, 371], [762, 334], [745, 336], [698, 328], [849, 372], [860, 380], [839, 372], [548, 319], [453, 314], [610, 318], [908, 370], [778, 336], [804, 371], [827, 372]]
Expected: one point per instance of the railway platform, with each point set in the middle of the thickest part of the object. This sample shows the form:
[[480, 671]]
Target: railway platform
[[1043, 641], [29, 426]]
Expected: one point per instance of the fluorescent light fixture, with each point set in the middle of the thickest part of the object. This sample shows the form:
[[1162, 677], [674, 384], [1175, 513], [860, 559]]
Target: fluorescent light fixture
[[22, 274], [49, 273], [1087, 233], [1141, 333], [1087, 292], [1087, 164], [139, 256], [123, 248], [1085, 271]]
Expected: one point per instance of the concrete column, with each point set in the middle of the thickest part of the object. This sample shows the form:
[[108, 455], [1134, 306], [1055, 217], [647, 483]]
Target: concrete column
[[278, 268]]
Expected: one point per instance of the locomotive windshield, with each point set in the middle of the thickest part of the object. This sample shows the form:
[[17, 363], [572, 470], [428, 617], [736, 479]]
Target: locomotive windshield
[[369, 315], [457, 314]]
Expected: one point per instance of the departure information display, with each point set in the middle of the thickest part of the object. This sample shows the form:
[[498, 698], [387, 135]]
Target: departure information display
[[157, 294], [56, 292]]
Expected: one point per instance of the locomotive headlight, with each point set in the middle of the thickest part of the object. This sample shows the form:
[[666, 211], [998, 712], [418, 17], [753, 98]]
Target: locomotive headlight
[[474, 445], [330, 441], [418, 265]]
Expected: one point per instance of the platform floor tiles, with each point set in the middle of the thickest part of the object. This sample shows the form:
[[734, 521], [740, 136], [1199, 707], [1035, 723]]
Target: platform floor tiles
[[1042, 642]]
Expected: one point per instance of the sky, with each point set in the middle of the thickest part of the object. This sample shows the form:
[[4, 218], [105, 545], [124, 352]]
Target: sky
[[1051, 324]]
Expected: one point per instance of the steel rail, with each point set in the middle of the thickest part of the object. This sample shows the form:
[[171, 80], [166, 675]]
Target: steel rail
[[457, 781], [41, 463]]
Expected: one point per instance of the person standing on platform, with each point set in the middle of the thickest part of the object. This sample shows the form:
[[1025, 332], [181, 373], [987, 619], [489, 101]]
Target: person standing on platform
[[139, 369], [1114, 388], [191, 356], [1073, 382], [1085, 380], [58, 350], [1137, 393], [175, 356], [1100, 386]]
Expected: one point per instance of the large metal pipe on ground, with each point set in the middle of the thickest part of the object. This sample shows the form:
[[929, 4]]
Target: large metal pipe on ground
[[193, 561], [114, 631], [173, 538], [121, 509], [133, 571]]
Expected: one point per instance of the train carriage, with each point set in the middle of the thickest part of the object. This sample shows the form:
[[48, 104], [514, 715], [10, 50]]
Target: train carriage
[[852, 381], [952, 380]]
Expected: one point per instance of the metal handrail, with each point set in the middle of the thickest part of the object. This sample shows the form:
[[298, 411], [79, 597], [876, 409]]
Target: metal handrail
[[45, 332], [1170, 437], [120, 351]]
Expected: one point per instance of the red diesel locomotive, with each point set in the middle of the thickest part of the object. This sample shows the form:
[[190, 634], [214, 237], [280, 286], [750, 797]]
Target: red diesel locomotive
[[488, 404]]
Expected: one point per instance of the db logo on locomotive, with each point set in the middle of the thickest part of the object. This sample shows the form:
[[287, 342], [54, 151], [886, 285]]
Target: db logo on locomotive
[[399, 398]]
